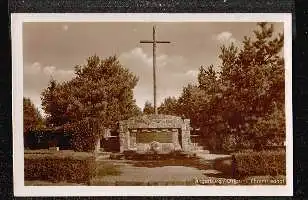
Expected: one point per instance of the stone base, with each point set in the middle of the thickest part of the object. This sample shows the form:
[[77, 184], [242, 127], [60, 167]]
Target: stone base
[[54, 148], [129, 129]]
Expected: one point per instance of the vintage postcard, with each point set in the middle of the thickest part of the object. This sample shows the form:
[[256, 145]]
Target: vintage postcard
[[152, 104]]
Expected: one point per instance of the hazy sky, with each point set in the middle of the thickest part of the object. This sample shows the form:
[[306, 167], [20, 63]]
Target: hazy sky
[[53, 49]]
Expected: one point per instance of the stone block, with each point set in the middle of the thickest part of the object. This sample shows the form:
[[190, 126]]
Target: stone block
[[168, 148], [129, 128], [143, 148], [54, 148]]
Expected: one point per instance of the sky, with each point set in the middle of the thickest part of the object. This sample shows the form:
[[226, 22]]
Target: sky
[[52, 49]]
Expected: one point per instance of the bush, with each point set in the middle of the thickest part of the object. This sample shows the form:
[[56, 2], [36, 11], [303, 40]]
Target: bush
[[229, 143], [59, 166], [261, 163], [225, 165], [47, 137], [84, 134]]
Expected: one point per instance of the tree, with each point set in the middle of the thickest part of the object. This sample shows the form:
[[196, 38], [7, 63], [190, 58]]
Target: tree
[[98, 97], [169, 106], [251, 87], [243, 101], [148, 108], [53, 105], [254, 77], [32, 117]]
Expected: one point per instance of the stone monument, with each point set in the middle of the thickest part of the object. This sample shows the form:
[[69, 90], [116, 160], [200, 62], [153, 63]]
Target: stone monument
[[161, 133], [156, 132]]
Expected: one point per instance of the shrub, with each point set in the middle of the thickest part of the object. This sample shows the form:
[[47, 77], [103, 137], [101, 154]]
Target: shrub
[[229, 143], [84, 134], [47, 137], [59, 166], [261, 163], [225, 165]]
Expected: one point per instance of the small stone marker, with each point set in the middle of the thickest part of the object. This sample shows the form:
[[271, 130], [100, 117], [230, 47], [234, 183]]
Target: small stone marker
[[54, 148]]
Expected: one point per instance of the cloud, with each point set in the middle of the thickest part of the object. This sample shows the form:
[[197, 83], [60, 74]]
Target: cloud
[[136, 55], [49, 70], [172, 74], [58, 74], [37, 76], [36, 70], [65, 27], [33, 69], [193, 73], [225, 38]]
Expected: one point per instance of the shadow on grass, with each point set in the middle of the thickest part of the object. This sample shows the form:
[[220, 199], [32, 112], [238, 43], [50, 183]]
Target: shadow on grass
[[152, 160], [186, 162], [49, 183], [143, 183], [107, 169]]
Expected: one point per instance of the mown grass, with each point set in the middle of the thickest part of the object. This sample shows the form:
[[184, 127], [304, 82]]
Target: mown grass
[[107, 169], [48, 183], [142, 183], [29, 154]]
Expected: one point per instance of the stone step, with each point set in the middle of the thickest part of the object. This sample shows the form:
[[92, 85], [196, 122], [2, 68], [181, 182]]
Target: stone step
[[197, 148], [102, 157], [203, 151], [211, 172], [117, 156], [101, 151], [212, 157]]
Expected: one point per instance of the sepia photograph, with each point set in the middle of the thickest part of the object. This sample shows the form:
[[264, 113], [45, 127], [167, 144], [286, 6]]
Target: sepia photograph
[[197, 101]]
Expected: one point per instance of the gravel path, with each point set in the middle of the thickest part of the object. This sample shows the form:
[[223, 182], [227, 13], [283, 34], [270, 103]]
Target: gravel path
[[211, 157], [144, 175], [130, 173]]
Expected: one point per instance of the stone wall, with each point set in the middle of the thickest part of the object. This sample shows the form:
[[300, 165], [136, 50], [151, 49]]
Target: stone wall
[[186, 142], [128, 129]]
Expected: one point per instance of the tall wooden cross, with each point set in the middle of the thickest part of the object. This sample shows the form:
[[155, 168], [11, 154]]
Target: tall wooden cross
[[154, 42]]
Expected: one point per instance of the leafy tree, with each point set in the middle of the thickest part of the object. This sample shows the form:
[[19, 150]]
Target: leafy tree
[[53, 105], [32, 117], [98, 97], [242, 103], [254, 82], [148, 108], [169, 106], [270, 129], [189, 103]]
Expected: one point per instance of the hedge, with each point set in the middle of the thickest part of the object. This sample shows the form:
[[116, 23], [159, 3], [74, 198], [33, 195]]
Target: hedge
[[45, 138], [261, 163], [226, 166], [70, 167]]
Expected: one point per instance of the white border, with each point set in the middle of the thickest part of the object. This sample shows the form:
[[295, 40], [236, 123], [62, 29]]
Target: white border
[[17, 93]]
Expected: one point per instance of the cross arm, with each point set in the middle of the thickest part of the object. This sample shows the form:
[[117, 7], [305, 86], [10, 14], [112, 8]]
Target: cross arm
[[146, 41], [163, 42], [151, 41]]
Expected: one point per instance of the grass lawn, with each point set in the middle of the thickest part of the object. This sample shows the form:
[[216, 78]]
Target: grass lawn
[[48, 183], [130, 172], [61, 153], [107, 169]]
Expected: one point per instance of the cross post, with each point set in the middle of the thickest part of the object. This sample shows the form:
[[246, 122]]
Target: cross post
[[154, 42]]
